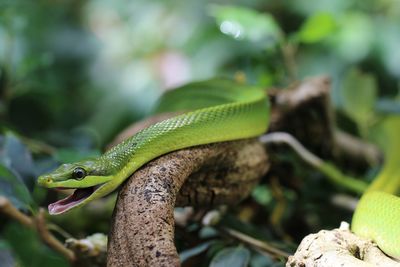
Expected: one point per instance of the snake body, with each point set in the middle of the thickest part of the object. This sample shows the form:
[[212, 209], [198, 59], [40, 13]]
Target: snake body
[[220, 111], [378, 217]]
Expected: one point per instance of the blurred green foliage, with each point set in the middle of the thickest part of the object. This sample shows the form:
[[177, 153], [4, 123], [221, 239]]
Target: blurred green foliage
[[74, 73], [238, 256], [317, 27]]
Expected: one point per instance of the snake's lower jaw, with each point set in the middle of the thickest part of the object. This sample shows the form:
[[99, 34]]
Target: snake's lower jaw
[[78, 198]]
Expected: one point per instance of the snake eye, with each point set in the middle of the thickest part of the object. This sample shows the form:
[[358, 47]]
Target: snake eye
[[79, 173]]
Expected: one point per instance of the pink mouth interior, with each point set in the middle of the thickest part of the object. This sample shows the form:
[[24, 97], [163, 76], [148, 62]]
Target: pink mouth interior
[[71, 201]]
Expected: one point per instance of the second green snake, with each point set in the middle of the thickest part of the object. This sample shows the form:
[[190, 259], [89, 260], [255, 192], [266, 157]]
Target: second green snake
[[378, 213]]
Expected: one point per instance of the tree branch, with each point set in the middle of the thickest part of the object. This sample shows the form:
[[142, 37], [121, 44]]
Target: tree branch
[[142, 232], [38, 224], [49, 239], [330, 171], [8, 209]]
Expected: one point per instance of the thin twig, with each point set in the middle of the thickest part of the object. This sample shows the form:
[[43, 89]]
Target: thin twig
[[38, 224], [59, 230], [37, 146], [49, 239], [256, 243], [326, 168], [8, 209], [279, 209], [282, 137], [288, 51]]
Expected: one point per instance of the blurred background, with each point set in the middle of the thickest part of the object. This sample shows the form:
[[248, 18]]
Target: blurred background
[[75, 73]]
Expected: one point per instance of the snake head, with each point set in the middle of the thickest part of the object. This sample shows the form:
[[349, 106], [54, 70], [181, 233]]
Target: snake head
[[87, 177]]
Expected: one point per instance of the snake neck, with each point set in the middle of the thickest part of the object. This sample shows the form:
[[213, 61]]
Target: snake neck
[[209, 125]]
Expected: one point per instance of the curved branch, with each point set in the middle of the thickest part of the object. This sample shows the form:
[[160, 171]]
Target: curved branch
[[142, 232]]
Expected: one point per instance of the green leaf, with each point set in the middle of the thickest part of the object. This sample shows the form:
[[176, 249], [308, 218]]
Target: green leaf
[[12, 187], [181, 98], [231, 257], [15, 156], [354, 38], [4, 245], [6, 257], [358, 95], [262, 194], [261, 260], [189, 253], [16, 169], [317, 27], [247, 24], [207, 232], [387, 39]]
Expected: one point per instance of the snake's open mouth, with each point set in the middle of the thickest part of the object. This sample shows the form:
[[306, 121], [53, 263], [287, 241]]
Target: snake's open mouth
[[71, 201]]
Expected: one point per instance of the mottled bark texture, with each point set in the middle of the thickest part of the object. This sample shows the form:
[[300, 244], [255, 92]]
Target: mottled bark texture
[[304, 110], [142, 233]]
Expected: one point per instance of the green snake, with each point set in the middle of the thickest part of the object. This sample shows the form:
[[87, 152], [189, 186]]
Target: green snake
[[217, 110], [377, 215], [222, 111]]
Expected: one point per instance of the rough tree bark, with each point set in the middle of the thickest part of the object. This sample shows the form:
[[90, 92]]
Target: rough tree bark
[[142, 233]]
